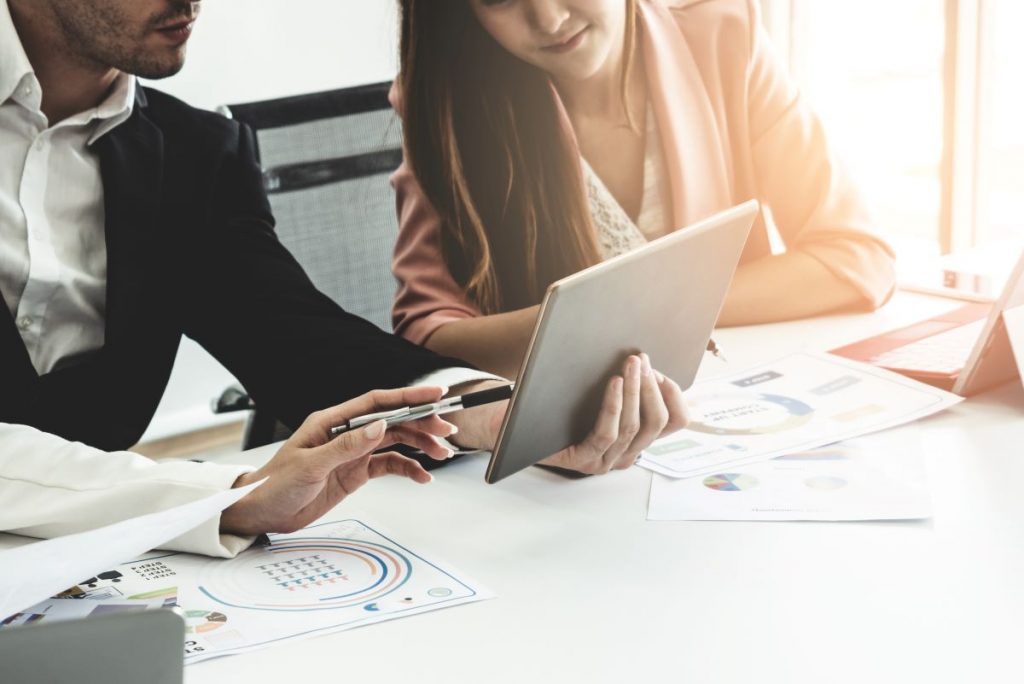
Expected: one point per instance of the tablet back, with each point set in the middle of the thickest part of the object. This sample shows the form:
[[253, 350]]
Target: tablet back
[[662, 299], [145, 646]]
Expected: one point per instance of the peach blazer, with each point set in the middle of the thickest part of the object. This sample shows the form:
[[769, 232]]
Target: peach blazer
[[733, 127]]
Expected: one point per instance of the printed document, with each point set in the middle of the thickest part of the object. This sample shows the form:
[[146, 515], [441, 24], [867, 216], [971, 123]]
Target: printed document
[[876, 477], [802, 401]]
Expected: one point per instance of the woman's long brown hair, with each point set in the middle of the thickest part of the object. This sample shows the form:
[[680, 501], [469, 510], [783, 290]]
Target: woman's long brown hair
[[484, 136]]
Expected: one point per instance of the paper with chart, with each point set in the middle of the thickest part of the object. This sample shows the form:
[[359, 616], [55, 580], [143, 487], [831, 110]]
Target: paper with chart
[[802, 401], [326, 578], [875, 477]]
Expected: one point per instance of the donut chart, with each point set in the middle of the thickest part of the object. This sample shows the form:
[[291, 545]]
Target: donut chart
[[750, 414], [730, 482], [308, 573], [202, 621]]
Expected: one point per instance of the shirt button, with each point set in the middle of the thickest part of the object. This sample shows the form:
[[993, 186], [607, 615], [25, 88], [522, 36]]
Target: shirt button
[[39, 144], [24, 323], [27, 91]]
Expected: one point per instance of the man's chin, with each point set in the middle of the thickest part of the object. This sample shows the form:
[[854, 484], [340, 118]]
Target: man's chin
[[155, 69]]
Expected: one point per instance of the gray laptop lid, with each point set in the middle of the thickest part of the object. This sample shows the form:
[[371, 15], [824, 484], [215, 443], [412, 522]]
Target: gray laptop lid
[[662, 299], [121, 648]]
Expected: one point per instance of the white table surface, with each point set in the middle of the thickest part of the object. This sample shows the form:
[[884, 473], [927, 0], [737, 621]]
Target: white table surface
[[589, 590]]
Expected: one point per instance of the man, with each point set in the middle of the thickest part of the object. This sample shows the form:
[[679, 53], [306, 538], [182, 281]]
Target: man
[[128, 219]]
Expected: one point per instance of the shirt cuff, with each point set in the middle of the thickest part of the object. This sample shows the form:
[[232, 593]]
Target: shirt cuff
[[449, 377]]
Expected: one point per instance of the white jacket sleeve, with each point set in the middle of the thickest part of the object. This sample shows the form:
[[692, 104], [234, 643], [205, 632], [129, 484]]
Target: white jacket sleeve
[[51, 487]]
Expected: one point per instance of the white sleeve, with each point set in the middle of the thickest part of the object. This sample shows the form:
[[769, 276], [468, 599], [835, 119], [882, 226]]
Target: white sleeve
[[449, 377], [50, 487]]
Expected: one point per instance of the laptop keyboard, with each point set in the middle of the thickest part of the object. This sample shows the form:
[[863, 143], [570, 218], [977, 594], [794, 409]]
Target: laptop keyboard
[[944, 353]]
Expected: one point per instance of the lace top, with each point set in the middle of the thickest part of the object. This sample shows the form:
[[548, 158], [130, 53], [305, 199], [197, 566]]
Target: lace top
[[616, 232]]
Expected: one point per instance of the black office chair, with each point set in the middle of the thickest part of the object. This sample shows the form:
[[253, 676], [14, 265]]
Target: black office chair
[[326, 159]]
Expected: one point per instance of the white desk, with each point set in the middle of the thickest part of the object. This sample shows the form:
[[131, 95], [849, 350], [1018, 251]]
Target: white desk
[[588, 590]]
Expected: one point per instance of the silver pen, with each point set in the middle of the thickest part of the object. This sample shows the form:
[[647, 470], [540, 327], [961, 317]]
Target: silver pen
[[436, 408]]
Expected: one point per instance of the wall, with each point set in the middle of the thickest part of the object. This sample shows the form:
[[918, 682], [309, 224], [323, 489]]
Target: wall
[[246, 50]]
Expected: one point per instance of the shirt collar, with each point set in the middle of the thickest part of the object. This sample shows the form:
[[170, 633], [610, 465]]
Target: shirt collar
[[16, 72], [14, 64], [116, 109]]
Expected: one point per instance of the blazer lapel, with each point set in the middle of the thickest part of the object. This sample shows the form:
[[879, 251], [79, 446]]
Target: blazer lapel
[[693, 148], [131, 162]]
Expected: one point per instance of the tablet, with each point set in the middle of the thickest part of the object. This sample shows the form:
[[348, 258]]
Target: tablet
[[662, 299]]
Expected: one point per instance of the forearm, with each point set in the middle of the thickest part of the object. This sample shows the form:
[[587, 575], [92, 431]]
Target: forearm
[[784, 287], [496, 343]]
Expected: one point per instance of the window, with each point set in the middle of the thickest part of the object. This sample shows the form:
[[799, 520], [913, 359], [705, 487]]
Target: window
[[921, 97], [1001, 124]]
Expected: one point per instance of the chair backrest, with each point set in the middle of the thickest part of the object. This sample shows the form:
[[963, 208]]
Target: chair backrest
[[326, 158]]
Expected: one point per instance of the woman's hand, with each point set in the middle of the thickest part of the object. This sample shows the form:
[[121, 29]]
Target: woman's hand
[[311, 473], [639, 406]]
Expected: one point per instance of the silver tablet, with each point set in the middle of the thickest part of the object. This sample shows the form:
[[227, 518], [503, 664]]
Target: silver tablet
[[662, 299]]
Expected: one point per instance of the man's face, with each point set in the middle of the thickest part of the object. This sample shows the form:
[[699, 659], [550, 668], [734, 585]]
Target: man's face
[[142, 37]]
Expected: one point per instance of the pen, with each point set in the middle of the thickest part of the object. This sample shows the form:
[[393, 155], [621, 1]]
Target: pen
[[715, 351], [437, 408]]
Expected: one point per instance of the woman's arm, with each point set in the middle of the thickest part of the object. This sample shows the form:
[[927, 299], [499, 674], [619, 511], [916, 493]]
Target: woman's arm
[[496, 344], [834, 257], [784, 287]]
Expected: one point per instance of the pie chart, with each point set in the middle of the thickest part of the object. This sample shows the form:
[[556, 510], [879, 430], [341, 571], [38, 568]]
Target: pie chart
[[730, 482]]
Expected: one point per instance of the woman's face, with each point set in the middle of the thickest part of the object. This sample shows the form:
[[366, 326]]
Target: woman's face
[[569, 39]]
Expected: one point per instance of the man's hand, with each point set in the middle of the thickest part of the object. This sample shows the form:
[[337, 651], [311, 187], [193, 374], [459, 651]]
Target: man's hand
[[312, 473], [639, 406]]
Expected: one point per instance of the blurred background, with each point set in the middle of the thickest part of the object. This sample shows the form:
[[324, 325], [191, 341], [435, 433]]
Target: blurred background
[[922, 98]]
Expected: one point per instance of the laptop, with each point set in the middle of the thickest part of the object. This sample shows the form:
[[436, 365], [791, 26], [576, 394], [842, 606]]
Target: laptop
[[662, 299], [966, 351], [145, 646]]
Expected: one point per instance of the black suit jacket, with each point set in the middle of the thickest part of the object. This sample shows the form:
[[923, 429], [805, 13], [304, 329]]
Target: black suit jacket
[[191, 250]]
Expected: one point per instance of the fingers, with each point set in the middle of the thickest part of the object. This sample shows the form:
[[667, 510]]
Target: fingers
[[678, 412], [654, 415], [588, 455], [391, 463], [321, 422], [423, 441], [629, 421], [350, 446]]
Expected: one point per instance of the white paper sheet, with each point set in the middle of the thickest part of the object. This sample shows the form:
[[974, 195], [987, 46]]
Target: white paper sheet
[[876, 477], [802, 401], [56, 609], [326, 578], [31, 573]]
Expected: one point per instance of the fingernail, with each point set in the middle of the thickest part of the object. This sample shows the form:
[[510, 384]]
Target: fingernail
[[375, 430], [431, 478], [645, 364], [450, 453], [659, 376], [455, 429]]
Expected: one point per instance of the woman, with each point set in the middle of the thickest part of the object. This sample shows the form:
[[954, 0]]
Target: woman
[[545, 135]]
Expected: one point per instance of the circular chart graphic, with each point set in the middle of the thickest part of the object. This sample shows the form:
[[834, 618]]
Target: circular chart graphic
[[825, 482], [746, 414], [730, 482], [200, 621], [308, 573]]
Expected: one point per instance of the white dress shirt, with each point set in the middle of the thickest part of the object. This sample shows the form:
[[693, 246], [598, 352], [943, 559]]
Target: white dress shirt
[[53, 269]]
